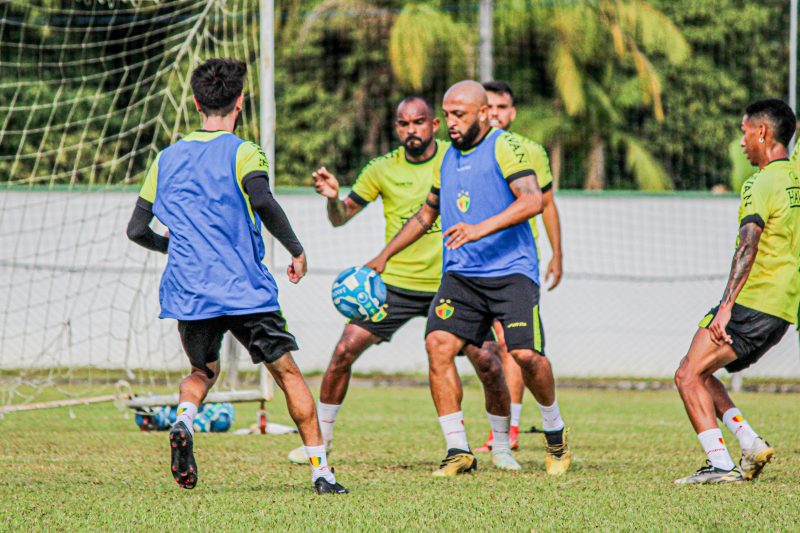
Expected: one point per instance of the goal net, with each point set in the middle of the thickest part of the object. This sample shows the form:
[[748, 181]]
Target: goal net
[[89, 92]]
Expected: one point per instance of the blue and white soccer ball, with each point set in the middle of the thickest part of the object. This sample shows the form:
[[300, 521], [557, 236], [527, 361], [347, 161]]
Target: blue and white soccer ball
[[358, 293]]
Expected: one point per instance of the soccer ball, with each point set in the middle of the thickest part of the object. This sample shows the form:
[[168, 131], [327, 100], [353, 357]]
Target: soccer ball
[[358, 293]]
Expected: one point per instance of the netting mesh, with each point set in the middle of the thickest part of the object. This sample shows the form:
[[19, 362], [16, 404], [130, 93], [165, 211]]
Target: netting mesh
[[90, 92]]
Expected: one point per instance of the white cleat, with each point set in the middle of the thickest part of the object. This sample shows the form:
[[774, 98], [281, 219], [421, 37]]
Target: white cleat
[[505, 461]]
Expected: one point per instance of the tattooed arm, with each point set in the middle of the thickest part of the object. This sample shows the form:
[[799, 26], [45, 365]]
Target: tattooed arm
[[743, 259], [527, 205], [414, 228]]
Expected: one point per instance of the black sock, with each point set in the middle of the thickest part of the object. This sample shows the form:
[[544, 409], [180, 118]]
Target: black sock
[[555, 438]]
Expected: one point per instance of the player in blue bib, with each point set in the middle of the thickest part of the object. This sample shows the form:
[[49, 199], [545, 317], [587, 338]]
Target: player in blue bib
[[486, 191], [211, 191]]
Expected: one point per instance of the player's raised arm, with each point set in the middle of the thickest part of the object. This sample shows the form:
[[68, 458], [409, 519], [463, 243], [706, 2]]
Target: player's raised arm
[[527, 205], [339, 211], [412, 230], [272, 215], [743, 259]]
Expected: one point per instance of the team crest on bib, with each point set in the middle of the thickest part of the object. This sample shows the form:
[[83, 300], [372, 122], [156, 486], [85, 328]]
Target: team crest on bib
[[463, 201], [380, 315], [444, 310]]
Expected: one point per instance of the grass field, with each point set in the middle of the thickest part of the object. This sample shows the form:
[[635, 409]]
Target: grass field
[[98, 472]]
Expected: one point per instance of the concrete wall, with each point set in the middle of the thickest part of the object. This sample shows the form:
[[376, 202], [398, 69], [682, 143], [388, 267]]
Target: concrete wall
[[640, 273]]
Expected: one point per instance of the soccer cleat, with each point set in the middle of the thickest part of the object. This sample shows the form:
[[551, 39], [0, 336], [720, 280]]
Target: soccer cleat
[[183, 465], [505, 461], [755, 459], [298, 455], [557, 455], [487, 446], [323, 486], [712, 474], [513, 434], [456, 462]]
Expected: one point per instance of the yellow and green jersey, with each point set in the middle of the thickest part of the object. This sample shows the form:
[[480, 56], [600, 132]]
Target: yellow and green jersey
[[404, 186], [771, 199], [541, 165]]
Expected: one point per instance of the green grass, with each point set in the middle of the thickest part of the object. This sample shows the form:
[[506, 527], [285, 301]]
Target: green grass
[[98, 472]]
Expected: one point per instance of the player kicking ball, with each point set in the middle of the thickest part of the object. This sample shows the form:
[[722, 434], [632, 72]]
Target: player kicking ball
[[760, 300], [403, 179], [211, 191], [502, 113], [486, 191]]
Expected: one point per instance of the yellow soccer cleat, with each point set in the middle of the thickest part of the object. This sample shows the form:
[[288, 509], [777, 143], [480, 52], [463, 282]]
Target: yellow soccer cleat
[[557, 456], [756, 458], [456, 462], [298, 455]]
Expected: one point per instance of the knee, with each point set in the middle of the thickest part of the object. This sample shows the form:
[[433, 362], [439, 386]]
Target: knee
[[684, 376], [487, 363], [343, 357], [439, 353]]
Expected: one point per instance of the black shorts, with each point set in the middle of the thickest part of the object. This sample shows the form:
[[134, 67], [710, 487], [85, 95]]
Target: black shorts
[[467, 307], [265, 336], [401, 306], [753, 334]]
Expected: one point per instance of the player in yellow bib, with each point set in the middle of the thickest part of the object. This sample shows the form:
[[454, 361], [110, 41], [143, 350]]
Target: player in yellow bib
[[402, 178], [760, 301]]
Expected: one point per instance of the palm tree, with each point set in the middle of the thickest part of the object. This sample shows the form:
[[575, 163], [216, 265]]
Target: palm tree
[[598, 65]]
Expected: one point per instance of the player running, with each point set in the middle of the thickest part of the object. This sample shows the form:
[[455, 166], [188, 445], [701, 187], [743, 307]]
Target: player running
[[502, 113], [211, 191], [486, 190], [760, 300], [402, 178]]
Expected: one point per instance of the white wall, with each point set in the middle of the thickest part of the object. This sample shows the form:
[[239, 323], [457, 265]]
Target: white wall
[[640, 273]]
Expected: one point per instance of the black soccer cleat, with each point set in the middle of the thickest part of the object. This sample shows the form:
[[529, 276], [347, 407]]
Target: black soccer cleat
[[183, 465], [323, 486]]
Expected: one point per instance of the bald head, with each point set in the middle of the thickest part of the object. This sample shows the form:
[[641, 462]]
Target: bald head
[[466, 109], [467, 92]]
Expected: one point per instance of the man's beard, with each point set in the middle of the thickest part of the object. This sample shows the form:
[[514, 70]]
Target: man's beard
[[468, 138], [418, 150]]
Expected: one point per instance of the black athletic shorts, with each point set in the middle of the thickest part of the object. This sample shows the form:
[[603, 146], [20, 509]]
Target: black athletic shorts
[[401, 306], [265, 336], [753, 334], [467, 307]]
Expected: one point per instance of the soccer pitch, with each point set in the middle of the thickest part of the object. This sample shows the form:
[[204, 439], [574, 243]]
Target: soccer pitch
[[98, 472]]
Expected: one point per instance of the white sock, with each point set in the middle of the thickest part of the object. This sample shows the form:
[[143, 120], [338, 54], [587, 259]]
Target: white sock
[[454, 433], [734, 421], [326, 413], [319, 463], [499, 425], [186, 413], [551, 417], [516, 414], [714, 446]]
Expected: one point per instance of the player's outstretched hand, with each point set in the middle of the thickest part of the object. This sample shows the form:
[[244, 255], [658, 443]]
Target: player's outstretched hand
[[717, 326], [325, 183], [460, 234], [555, 271], [297, 268], [378, 264]]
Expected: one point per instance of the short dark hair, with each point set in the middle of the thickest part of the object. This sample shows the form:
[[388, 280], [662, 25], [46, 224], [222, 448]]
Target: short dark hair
[[217, 83], [778, 114], [499, 86], [419, 98]]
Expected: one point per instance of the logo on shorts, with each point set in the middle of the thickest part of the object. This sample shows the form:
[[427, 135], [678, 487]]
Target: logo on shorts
[[463, 201], [444, 310], [517, 325], [381, 314]]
